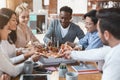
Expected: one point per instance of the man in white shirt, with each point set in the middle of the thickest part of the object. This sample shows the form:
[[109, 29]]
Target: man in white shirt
[[109, 32]]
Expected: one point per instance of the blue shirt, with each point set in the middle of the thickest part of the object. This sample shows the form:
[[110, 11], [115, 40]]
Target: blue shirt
[[91, 41]]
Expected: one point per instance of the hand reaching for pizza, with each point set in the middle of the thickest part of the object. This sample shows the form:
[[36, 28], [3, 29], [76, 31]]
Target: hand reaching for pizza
[[65, 47], [53, 51]]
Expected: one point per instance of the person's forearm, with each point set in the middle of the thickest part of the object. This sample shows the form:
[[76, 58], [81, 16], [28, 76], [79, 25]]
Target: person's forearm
[[90, 55], [17, 59], [27, 55]]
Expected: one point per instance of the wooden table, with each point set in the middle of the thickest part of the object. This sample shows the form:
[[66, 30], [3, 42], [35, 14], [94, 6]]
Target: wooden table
[[55, 75], [96, 76]]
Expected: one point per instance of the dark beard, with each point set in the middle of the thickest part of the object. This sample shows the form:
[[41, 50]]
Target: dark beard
[[106, 43]]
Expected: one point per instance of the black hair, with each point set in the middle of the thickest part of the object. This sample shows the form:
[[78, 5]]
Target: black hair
[[7, 12], [109, 19], [66, 9], [92, 15], [3, 20], [12, 37]]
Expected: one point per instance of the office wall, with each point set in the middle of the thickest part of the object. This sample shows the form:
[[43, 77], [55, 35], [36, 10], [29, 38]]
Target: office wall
[[78, 6]]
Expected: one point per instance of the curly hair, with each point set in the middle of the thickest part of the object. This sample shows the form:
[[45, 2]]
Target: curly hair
[[66, 9], [20, 8]]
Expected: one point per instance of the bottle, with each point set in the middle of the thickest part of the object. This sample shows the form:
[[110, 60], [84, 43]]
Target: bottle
[[43, 28], [58, 44], [62, 70], [53, 40]]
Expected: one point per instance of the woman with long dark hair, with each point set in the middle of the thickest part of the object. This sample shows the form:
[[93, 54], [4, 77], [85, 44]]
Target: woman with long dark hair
[[7, 48]]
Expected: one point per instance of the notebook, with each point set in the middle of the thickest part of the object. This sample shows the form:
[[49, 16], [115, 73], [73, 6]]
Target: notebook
[[85, 69]]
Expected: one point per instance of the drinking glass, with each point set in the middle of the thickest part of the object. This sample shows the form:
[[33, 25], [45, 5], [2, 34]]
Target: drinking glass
[[28, 67]]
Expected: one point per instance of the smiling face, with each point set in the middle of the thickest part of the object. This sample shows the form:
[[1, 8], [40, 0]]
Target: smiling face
[[12, 22], [65, 18], [11, 25], [24, 17], [89, 24]]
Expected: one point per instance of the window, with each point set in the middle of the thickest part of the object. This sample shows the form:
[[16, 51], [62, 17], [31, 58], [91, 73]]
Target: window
[[2, 3], [78, 6]]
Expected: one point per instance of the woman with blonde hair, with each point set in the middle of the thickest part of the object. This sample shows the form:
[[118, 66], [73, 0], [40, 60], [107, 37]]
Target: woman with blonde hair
[[24, 33]]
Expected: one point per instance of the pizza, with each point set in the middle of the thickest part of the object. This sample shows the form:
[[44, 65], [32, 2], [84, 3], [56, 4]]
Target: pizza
[[53, 51], [49, 51]]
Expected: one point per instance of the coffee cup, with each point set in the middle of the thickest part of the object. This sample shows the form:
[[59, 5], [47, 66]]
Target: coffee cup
[[62, 70], [28, 67], [71, 76]]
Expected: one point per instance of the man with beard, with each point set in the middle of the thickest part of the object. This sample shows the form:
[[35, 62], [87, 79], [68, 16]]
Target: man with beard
[[108, 27]]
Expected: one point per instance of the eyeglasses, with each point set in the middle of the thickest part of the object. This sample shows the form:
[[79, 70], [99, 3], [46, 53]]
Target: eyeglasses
[[89, 24]]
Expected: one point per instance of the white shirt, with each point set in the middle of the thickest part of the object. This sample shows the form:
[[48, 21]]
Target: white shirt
[[6, 63], [111, 56], [8, 48], [7, 67], [10, 51], [111, 68], [64, 31]]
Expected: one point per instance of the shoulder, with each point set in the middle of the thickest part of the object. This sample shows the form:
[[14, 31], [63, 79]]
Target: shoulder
[[3, 42], [87, 34], [74, 26], [96, 34], [54, 21]]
